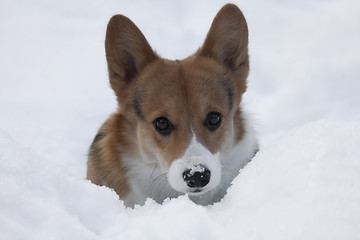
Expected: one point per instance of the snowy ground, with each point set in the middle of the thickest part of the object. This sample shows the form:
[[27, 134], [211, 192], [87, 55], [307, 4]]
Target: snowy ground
[[54, 94]]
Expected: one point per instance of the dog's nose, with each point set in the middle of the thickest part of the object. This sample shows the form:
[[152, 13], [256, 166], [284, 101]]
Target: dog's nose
[[197, 176]]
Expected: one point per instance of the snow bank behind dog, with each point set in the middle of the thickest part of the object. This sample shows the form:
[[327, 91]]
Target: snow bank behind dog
[[305, 186]]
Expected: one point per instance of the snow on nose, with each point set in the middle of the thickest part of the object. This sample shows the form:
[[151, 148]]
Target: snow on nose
[[197, 176]]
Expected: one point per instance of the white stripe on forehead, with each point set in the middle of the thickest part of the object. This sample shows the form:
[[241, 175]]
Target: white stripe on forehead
[[196, 153]]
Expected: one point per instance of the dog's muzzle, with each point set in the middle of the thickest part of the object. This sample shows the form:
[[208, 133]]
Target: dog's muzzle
[[196, 172]]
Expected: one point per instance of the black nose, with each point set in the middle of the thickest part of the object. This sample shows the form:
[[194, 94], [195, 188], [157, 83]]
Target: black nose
[[196, 177]]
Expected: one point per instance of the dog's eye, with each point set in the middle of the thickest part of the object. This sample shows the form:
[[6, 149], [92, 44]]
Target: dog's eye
[[213, 120], [163, 126]]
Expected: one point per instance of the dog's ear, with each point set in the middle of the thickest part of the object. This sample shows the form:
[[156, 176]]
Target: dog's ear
[[127, 52], [227, 41]]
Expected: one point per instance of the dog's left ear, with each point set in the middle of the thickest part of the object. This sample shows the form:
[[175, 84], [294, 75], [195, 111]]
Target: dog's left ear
[[227, 41], [127, 53]]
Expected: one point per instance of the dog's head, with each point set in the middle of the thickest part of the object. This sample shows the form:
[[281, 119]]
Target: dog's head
[[185, 113]]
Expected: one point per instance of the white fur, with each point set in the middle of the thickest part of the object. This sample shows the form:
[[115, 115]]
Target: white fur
[[196, 154], [232, 161], [147, 180]]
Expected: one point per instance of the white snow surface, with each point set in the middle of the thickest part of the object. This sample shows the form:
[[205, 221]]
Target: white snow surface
[[303, 93], [305, 186]]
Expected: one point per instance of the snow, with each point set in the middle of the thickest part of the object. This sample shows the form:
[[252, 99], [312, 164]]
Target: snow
[[306, 185], [303, 92], [196, 169]]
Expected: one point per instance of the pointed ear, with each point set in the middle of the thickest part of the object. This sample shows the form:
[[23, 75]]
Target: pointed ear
[[127, 52], [227, 40]]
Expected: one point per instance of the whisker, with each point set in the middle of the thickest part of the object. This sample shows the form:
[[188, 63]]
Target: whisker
[[149, 186], [165, 192], [159, 178], [158, 187], [154, 184], [169, 192]]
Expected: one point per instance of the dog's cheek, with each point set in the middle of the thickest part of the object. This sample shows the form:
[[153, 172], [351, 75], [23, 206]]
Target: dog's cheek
[[223, 139], [155, 148], [213, 140], [228, 136], [171, 148], [146, 143]]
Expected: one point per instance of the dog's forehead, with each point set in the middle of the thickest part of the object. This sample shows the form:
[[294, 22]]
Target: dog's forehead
[[209, 89], [171, 87]]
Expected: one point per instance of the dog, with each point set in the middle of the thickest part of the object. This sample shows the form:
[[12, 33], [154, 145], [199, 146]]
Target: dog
[[180, 127]]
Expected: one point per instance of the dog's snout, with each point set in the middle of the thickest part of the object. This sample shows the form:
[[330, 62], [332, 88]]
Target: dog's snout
[[197, 176]]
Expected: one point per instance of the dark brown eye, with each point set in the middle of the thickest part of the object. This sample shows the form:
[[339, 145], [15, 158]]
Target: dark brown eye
[[163, 126], [213, 120]]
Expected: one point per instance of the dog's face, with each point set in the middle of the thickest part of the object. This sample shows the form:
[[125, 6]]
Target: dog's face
[[185, 113]]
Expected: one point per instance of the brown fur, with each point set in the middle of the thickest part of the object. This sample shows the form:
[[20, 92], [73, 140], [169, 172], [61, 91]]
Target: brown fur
[[148, 87], [104, 163]]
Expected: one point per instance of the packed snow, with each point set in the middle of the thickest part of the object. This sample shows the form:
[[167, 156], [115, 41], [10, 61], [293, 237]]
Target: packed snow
[[303, 93]]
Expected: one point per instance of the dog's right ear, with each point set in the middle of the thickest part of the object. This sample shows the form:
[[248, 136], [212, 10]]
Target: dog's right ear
[[227, 42], [127, 52]]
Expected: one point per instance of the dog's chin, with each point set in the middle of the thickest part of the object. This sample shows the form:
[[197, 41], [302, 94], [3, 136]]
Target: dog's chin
[[197, 192], [193, 191]]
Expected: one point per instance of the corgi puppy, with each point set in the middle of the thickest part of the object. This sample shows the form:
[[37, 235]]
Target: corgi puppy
[[180, 127]]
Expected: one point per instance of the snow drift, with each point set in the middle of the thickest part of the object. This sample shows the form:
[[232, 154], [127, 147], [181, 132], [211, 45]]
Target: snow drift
[[304, 186]]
